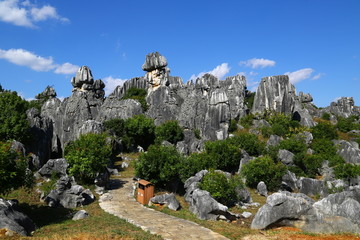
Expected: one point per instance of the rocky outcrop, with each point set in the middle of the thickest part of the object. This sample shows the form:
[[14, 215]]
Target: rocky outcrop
[[168, 199], [115, 108], [12, 219], [286, 157], [348, 150], [54, 166], [69, 194], [344, 107], [277, 94], [312, 187], [336, 213]]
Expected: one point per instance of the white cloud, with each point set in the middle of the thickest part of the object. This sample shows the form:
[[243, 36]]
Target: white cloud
[[67, 68], [219, 72], [37, 63], [258, 63], [25, 58], [300, 75], [25, 13], [111, 83], [317, 76]]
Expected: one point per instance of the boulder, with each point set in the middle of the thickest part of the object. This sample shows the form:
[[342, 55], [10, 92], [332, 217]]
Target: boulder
[[82, 214], [14, 220], [274, 140], [305, 97], [243, 195], [245, 159], [168, 199], [306, 136], [289, 181], [68, 194], [262, 189], [349, 151], [312, 187], [54, 166], [286, 157]]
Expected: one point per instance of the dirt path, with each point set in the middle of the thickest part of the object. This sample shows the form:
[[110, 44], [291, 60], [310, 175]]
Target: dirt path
[[120, 202]]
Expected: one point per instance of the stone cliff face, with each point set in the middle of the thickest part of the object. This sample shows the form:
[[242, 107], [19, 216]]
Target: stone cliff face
[[207, 105]]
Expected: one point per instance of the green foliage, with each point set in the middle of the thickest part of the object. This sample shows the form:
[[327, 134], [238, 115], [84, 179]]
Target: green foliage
[[224, 154], [137, 94], [139, 130], [195, 163], [13, 169], [347, 124], [293, 145], [326, 116], [197, 133], [221, 188], [247, 121], [249, 99], [232, 126], [47, 186], [347, 171], [281, 124], [13, 121], [87, 156], [324, 130], [169, 131], [159, 165], [264, 169], [115, 126], [248, 142]]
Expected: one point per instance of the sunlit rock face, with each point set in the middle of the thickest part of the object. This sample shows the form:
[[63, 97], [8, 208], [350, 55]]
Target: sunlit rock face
[[157, 73]]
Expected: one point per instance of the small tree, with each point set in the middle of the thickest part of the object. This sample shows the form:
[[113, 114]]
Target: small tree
[[115, 126], [324, 130], [169, 131], [159, 165], [139, 130], [13, 169], [249, 142], [263, 169], [87, 156], [225, 155]]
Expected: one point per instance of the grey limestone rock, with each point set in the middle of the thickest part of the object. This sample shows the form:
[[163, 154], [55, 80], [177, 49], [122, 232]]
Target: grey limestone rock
[[344, 107], [243, 195], [49, 92], [81, 214], [58, 166], [289, 181], [115, 108], [90, 126], [154, 61], [312, 187], [274, 140], [262, 189], [286, 157], [305, 97], [245, 159], [168, 199], [349, 151], [306, 136], [68, 194], [14, 220]]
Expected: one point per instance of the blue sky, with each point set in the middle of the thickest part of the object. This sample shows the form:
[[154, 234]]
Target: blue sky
[[316, 42]]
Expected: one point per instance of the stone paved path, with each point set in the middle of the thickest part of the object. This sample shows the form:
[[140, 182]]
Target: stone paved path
[[120, 202]]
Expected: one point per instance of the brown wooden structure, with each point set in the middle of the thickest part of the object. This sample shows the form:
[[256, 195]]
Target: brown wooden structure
[[145, 191]]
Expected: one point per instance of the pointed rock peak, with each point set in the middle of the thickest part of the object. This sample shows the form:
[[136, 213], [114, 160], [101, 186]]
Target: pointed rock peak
[[154, 61], [83, 75], [49, 92]]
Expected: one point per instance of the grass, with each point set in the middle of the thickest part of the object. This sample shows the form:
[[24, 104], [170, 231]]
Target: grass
[[56, 223]]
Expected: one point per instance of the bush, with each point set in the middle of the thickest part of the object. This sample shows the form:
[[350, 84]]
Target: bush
[[159, 165], [347, 171], [13, 169], [264, 169], [247, 121], [195, 163], [87, 156], [137, 94], [169, 131], [13, 120], [115, 126], [347, 124], [221, 188], [324, 130], [326, 116], [232, 126], [293, 145], [281, 123], [225, 155], [139, 130], [248, 142]]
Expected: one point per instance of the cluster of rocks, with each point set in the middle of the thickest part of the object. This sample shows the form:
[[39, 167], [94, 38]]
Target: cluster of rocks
[[336, 213]]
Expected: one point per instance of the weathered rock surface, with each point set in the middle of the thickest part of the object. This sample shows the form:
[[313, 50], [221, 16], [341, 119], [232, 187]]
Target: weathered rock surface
[[336, 213], [82, 214], [274, 140], [349, 151], [168, 199], [344, 107], [54, 166], [286, 157], [12, 219], [312, 187], [262, 189], [68, 194]]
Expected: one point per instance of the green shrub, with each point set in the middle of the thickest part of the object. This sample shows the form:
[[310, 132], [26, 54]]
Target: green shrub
[[87, 156], [139, 130], [247, 121], [115, 126], [249, 99], [266, 131], [281, 124], [194, 163], [347, 124], [293, 145], [248, 142], [264, 169], [169, 131], [326, 116], [346, 171], [197, 134], [159, 165], [13, 121], [324, 130], [221, 188], [137, 94], [13, 169], [232, 126], [224, 154], [312, 164], [47, 186]]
